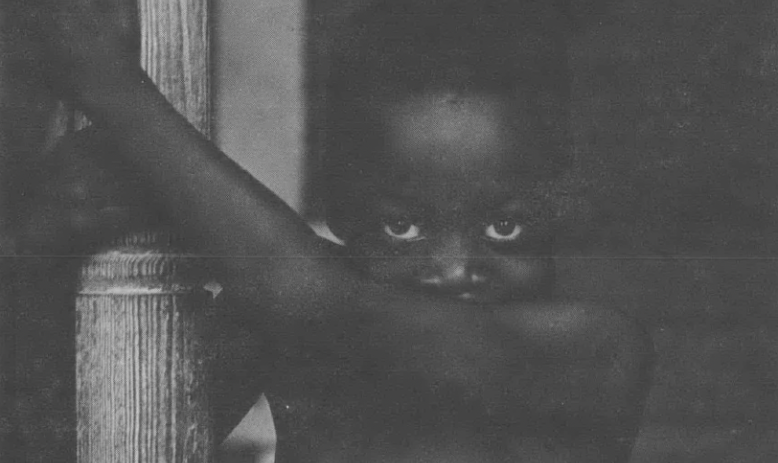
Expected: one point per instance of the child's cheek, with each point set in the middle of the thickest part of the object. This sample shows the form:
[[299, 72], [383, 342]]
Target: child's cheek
[[385, 262], [400, 271], [523, 278], [501, 277], [508, 279]]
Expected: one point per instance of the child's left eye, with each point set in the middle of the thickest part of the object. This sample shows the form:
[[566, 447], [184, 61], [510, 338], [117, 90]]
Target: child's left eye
[[402, 230], [503, 230]]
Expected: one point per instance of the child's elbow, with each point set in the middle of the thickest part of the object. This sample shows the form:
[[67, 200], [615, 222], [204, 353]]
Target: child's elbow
[[624, 353]]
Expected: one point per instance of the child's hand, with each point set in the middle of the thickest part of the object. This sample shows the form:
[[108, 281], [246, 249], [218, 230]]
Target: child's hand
[[73, 203], [89, 42]]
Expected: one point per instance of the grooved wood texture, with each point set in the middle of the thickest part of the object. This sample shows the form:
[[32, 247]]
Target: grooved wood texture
[[175, 53], [142, 370]]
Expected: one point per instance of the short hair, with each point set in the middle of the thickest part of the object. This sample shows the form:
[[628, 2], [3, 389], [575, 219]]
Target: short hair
[[407, 46], [395, 49]]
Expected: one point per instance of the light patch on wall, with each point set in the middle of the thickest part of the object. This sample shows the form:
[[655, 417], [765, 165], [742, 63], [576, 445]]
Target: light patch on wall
[[259, 106]]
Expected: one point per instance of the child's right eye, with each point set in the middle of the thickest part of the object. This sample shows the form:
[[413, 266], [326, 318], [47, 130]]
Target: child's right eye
[[403, 230], [503, 230]]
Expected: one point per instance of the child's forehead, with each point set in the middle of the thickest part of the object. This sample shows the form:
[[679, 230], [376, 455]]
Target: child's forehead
[[455, 134], [448, 117], [444, 147], [463, 196], [428, 190]]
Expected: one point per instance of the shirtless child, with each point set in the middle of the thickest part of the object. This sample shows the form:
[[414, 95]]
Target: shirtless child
[[432, 335]]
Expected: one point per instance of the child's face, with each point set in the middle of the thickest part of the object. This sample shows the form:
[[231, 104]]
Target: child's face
[[446, 206]]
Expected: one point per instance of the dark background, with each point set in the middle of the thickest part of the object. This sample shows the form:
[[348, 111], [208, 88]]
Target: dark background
[[672, 203], [674, 191]]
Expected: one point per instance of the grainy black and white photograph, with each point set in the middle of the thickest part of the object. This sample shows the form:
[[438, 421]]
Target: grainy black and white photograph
[[389, 231]]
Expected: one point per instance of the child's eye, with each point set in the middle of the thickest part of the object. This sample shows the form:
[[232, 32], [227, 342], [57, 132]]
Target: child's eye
[[402, 230], [503, 230]]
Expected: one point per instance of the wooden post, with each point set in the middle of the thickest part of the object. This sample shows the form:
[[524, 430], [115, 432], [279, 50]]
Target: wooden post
[[141, 367]]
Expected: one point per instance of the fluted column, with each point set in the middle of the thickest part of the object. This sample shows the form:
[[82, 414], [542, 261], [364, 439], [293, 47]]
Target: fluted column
[[142, 369]]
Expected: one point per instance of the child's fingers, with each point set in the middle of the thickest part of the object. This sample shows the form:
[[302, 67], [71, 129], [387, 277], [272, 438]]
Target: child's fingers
[[72, 199], [73, 213], [62, 230]]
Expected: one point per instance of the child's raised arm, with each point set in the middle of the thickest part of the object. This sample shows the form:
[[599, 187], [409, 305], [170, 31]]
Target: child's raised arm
[[201, 189], [299, 294], [268, 256]]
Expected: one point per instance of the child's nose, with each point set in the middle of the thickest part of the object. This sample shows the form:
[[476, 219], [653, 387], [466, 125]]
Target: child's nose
[[454, 268]]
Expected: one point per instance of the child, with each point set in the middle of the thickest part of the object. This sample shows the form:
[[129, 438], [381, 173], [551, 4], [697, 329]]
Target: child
[[448, 119], [434, 338]]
